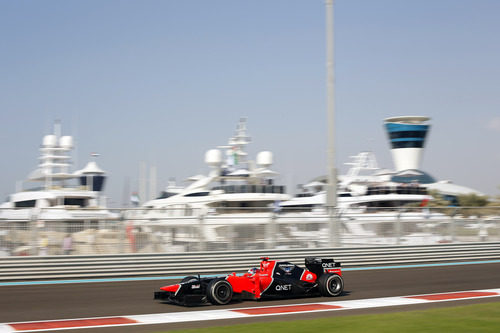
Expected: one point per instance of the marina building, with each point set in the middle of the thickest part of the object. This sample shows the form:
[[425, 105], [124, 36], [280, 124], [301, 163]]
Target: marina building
[[407, 137]]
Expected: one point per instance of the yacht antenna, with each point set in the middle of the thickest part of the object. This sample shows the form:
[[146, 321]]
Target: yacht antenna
[[238, 142], [57, 128]]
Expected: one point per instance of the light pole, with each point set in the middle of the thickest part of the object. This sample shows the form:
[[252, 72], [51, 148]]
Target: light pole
[[331, 190]]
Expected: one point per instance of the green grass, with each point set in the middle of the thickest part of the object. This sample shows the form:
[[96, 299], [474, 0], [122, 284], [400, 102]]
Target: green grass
[[470, 318]]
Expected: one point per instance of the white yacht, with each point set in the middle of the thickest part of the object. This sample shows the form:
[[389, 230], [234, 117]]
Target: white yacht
[[364, 189], [233, 203], [61, 195], [368, 202], [234, 184]]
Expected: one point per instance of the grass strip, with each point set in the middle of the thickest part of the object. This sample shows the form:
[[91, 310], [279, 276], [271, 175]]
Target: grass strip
[[469, 318]]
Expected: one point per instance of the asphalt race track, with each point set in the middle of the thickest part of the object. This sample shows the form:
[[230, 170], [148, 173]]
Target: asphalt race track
[[81, 300]]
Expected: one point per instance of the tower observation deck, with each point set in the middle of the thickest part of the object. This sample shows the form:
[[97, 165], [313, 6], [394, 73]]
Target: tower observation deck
[[407, 138]]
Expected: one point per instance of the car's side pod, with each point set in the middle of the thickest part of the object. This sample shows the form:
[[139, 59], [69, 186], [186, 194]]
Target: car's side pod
[[320, 266]]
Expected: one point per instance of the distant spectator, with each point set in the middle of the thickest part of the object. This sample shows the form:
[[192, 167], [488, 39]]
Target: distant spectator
[[44, 243], [276, 207], [67, 244]]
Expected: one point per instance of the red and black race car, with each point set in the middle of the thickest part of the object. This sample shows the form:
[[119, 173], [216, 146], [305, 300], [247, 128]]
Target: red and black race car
[[272, 280]]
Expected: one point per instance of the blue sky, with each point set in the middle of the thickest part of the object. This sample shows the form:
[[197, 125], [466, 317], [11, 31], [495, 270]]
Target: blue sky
[[161, 82]]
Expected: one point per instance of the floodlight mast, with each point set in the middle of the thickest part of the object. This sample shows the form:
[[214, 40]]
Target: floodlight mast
[[331, 190]]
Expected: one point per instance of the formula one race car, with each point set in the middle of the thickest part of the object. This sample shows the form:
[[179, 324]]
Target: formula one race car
[[273, 280]]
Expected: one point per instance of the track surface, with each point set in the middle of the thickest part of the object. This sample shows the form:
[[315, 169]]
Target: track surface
[[61, 301]]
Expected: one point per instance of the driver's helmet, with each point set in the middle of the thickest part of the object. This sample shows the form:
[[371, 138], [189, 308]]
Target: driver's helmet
[[253, 270]]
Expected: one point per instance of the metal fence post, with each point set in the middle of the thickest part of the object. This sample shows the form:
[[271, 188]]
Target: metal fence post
[[33, 250], [452, 227], [335, 238], [201, 233], [230, 235], [398, 227], [123, 233], [272, 231]]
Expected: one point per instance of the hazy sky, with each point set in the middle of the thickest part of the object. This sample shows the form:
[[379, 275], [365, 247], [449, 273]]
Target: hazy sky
[[161, 82]]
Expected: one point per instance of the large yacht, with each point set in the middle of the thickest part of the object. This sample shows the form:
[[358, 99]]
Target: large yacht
[[231, 204], [369, 201], [59, 194], [364, 189], [234, 184]]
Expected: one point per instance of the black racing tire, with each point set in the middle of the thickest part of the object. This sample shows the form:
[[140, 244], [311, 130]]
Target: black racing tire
[[219, 292], [330, 285], [189, 278]]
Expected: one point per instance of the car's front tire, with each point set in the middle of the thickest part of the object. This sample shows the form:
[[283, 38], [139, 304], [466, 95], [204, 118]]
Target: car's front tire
[[219, 292], [330, 285]]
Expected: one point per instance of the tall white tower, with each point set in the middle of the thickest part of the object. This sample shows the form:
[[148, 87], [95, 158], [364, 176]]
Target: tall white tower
[[407, 137]]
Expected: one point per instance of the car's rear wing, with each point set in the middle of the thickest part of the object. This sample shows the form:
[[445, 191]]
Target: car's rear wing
[[320, 266]]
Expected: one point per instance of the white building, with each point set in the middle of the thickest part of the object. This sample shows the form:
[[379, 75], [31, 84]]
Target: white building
[[407, 137]]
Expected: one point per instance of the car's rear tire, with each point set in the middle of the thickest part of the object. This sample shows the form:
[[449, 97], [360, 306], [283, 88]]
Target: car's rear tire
[[219, 292], [189, 278], [330, 285]]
